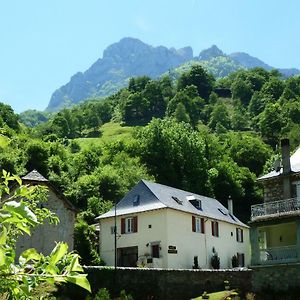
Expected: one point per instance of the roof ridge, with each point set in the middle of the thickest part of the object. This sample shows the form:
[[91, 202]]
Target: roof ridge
[[174, 188]]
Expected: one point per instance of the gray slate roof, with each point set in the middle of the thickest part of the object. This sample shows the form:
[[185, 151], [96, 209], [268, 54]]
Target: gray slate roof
[[154, 196], [34, 175], [295, 167]]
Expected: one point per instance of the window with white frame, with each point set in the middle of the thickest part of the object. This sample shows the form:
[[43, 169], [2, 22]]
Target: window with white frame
[[215, 228], [128, 225], [239, 235], [197, 224]]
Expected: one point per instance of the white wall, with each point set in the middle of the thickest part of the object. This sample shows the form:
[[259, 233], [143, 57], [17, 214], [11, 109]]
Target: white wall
[[190, 244], [174, 228], [157, 233]]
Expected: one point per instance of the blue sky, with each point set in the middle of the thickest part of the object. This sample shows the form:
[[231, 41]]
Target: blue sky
[[43, 43]]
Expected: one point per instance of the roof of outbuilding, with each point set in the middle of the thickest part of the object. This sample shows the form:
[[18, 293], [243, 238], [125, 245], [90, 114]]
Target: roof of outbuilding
[[34, 175], [154, 196], [295, 167]]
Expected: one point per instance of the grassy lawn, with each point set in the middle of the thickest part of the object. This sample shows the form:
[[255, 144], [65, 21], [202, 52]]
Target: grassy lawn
[[216, 296], [110, 132]]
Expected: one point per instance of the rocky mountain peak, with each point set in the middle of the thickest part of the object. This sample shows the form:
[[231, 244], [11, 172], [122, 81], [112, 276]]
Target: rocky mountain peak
[[210, 53]]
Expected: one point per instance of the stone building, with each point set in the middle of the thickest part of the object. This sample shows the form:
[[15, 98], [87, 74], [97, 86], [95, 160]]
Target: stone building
[[44, 236], [275, 224]]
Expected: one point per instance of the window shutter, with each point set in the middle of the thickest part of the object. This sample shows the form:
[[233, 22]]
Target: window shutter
[[135, 224], [242, 236], [217, 229], [193, 224], [212, 228], [122, 225], [202, 225], [237, 234]]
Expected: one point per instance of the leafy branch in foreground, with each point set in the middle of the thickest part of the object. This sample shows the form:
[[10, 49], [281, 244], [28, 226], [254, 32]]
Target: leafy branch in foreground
[[19, 213]]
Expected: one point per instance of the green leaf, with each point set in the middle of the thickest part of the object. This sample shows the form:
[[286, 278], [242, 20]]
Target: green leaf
[[58, 252], [21, 209], [2, 256], [29, 254], [80, 280], [3, 235], [75, 265]]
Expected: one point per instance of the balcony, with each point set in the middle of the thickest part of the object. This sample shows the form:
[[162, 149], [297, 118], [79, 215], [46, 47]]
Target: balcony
[[275, 209], [275, 255]]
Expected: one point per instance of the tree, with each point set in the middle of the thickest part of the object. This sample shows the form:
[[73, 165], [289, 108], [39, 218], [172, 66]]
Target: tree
[[242, 89], [180, 113], [274, 88], [9, 117], [220, 116], [19, 277], [271, 122], [198, 77], [247, 150], [192, 103], [174, 154]]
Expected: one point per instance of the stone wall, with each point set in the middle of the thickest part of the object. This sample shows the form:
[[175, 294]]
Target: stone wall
[[161, 284], [273, 190], [44, 237], [276, 278]]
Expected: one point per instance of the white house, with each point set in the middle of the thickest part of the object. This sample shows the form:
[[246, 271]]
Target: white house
[[160, 226]]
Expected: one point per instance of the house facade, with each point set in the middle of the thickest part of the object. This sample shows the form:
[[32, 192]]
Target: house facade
[[44, 236], [275, 224], [163, 227]]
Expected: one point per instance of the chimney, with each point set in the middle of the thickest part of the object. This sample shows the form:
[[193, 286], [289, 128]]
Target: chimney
[[285, 152], [230, 205], [286, 164]]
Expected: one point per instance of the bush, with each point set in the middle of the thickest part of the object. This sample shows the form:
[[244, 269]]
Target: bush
[[215, 261], [102, 294]]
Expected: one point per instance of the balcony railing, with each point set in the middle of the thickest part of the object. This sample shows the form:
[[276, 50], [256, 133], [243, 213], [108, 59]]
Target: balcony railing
[[275, 255], [275, 208]]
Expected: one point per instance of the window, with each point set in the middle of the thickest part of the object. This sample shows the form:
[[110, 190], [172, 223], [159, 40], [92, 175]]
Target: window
[[177, 200], [239, 235], [198, 224], [129, 225], [136, 200], [215, 228], [222, 211]]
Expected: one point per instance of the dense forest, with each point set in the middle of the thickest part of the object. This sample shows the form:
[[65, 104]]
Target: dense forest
[[212, 137]]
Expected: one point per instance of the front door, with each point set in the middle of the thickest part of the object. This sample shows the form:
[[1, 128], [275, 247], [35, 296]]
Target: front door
[[127, 257]]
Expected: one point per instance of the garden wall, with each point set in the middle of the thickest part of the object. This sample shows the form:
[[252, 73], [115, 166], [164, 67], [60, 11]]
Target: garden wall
[[163, 284]]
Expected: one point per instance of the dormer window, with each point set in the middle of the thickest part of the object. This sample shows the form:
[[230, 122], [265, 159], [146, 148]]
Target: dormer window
[[136, 200], [177, 200], [195, 202]]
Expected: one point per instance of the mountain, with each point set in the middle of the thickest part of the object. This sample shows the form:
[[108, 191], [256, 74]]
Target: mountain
[[128, 58], [248, 61], [210, 53], [131, 57]]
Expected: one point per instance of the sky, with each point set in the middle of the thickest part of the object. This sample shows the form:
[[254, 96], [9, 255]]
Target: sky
[[44, 43]]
